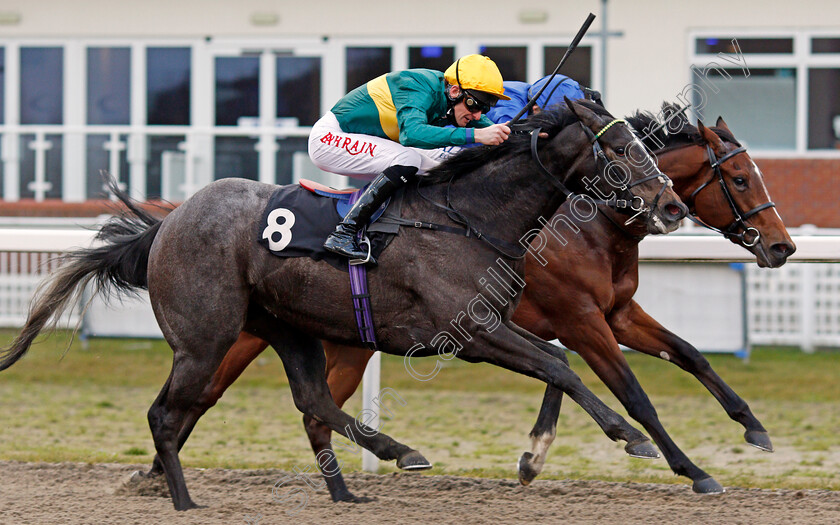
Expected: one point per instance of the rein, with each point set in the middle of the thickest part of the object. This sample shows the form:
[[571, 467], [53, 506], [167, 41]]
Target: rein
[[601, 161], [500, 246], [740, 218]]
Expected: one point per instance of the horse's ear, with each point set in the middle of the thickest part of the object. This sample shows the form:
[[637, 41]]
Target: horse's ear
[[711, 138], [586, 115], [722, 125]]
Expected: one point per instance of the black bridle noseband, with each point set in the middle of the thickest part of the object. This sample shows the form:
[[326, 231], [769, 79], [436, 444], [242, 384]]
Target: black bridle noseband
[[740, 218]]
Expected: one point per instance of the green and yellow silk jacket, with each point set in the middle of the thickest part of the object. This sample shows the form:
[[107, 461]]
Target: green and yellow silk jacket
[[407, 106]]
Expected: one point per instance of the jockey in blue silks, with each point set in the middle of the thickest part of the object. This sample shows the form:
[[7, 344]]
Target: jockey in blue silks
[[521, 92]]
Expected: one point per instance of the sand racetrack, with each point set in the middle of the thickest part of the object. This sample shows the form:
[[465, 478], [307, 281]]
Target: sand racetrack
[[78, 493]]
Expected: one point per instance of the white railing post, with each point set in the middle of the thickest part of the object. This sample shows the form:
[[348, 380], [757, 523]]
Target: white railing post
[[40, 186], [807, 310], [114, 146], [807, 299], [370, 391]]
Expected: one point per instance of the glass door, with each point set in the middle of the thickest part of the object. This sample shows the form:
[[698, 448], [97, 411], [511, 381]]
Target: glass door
[[264, 101]]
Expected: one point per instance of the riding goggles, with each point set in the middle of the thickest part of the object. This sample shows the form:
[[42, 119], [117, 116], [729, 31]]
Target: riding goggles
[[474, 105]]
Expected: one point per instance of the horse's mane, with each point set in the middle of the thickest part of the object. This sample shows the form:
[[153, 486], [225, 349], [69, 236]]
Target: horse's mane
[[687, 134], [550, 121]]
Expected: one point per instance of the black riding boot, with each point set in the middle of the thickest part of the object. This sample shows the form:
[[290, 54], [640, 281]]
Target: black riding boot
[[343, 240]]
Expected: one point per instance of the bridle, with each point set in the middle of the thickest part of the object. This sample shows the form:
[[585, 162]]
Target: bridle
[[740, 218], [504, 248], [602, 163]]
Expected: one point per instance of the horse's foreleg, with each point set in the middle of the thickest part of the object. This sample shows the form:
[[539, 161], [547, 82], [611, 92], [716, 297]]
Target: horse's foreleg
[[304, 361], [636, 329], [545, 429], [345, 368], [508, 349], [599, 349]]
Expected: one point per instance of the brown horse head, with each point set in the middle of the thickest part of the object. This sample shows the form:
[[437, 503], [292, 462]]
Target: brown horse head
[[740, 204], [720, 183]]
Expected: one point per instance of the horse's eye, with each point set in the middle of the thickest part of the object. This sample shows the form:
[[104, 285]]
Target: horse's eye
[[619, 150], [740, 181]]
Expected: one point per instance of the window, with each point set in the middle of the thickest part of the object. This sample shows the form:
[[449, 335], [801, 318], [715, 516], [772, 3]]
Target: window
[[431, 57], [108, 85], [364, 64], [2, 110], [577, 67], [716, 45], [774, 98], [237, 89], [825, 45], [299, 89], [760, 108], [166, 162], [236, 157], [168, 86], [41, 85], [512, 61], [2, 85], [823, 108]]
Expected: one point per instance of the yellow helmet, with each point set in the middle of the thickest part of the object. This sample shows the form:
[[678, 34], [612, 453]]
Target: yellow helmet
[[478, 73]]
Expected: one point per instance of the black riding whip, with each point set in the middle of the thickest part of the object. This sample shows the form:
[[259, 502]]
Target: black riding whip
[[575, 41]]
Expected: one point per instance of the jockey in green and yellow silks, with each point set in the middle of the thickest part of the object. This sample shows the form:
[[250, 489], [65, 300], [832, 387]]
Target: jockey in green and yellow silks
[[381, 129]]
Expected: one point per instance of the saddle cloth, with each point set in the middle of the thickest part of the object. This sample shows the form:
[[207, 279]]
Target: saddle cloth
[[298, 219]]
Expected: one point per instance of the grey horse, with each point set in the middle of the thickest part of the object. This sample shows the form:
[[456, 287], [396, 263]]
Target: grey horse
[[209, 279]]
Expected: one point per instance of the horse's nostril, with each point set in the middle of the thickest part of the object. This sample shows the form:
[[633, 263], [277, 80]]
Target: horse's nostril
[[676, 210], [782, 249]]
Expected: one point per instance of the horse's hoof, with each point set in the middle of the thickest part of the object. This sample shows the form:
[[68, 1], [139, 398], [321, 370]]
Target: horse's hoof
[[413, 461], [527, 473], [350, 498], [189, 505], [708, 486], [759, 439], [641, 449], [138, 475]]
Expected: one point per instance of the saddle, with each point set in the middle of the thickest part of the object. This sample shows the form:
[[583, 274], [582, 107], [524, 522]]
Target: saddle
[[298, 218], [343, 198]]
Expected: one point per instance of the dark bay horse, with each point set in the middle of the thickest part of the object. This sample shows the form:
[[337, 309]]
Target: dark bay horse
[[598, 267], [209, 280]]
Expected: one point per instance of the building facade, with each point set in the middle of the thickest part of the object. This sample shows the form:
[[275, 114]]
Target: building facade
[[169, 96]]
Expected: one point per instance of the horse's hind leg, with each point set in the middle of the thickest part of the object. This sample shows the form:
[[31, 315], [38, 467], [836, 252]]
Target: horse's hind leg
[[303, 359], [345, 368], [200, 337], [175, 409], [240, 355]]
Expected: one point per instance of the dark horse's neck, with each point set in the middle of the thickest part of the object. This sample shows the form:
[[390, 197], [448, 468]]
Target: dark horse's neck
[[500, 189]]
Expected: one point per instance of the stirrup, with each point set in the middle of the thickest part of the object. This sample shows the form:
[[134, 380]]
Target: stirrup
[[355, 262]]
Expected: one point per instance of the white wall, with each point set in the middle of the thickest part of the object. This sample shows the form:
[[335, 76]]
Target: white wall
[[647, 64]]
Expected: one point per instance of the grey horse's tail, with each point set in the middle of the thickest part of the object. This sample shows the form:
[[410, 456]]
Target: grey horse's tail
[[118, 264]]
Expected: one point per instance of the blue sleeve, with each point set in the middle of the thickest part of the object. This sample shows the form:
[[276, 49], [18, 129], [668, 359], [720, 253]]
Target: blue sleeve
[[561, 86], [505, 110]]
